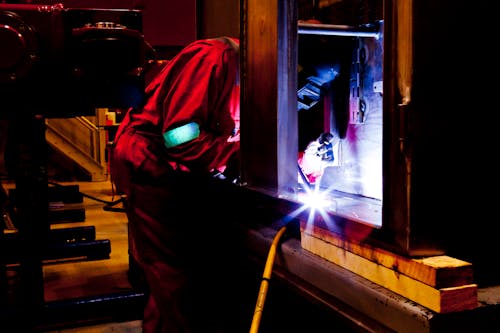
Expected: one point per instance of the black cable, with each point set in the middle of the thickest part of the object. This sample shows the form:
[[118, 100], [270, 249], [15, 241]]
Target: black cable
[[109, 205]]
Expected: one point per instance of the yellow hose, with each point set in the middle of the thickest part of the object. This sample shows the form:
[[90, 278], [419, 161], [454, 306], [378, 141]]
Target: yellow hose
[[261, 297]]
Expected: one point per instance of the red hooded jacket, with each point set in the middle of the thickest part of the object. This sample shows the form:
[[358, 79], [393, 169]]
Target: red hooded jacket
[[198, 85]]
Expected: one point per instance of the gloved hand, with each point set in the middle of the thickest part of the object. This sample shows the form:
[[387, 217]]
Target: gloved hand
[[325, 151], [317, 156], [232, 170]]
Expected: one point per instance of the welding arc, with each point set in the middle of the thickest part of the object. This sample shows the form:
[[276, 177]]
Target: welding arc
[[264, 286]]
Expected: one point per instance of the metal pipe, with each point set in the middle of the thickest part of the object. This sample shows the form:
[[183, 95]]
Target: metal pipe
[[338, 30]]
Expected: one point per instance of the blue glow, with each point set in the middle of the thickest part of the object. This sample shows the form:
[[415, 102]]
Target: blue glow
[[327, 74]]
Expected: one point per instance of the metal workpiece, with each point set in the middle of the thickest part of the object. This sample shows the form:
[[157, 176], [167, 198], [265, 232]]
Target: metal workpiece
[[339, 30]]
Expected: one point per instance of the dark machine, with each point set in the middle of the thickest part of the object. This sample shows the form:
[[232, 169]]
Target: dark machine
[[65, 62], [56, 62]]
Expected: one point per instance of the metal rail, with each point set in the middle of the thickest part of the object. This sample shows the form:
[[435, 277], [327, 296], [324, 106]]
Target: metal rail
[[338, 30]]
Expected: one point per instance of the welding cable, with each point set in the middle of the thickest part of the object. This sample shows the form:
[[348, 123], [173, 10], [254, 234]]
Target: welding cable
[[108, 205], [266, 277]]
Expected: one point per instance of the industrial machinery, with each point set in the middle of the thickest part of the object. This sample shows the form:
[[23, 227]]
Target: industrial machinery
[[408, 100], [349, 109], [57, 62], [404, 86], [337, 86], [65, 62]]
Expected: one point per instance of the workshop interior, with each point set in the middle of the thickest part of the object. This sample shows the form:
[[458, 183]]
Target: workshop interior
[[367, 135]]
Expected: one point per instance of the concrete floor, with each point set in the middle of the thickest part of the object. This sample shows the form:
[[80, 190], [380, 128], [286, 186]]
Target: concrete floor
[[124, 327]]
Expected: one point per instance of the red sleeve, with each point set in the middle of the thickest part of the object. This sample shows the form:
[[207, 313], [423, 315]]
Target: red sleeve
[[197, 87]]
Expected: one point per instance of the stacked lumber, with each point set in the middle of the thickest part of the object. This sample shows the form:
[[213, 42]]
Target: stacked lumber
[[440, 283]]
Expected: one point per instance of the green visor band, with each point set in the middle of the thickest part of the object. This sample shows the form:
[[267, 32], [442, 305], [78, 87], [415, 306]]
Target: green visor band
[[181, 134]]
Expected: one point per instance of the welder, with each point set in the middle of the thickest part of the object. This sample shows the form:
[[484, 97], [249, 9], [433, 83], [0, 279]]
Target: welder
[[164, 157]]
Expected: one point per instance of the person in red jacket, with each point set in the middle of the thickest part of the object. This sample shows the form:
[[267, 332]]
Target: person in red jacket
[[165, 153]]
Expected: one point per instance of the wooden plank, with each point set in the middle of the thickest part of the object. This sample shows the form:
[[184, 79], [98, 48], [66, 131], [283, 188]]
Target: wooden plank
[[438, 271], [442, 300]]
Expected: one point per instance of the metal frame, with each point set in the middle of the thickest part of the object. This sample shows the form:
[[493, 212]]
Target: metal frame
[[412, 139]]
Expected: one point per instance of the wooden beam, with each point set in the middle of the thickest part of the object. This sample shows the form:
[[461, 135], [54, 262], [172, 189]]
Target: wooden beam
[[436, 271], [442, 300]]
